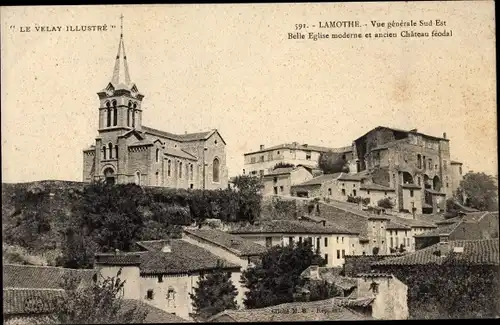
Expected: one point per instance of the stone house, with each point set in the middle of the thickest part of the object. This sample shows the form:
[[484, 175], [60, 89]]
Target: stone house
[[262, 161], [280, 180], [331, 241], [165, 273], [316, 186], [400, 157], [377, 295], [126, 151], [470, 226]]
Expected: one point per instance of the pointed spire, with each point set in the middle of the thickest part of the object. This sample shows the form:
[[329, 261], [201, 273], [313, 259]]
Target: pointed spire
[[121, 71]]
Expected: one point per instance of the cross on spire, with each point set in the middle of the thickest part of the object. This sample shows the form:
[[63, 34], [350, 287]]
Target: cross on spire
[[121, 66]]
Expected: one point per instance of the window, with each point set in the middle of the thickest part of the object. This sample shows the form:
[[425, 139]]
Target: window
[[169, 167], [132, 113], [300, 239], [110, 146], [406, 233], [338, 253], [104, 152], [430, 164], [385, 193], [308, 155], [137, 178], [108, 117], [135, 105], [270, 155], [278, 152], [281, 189], [367, 191], [290, 241], [157, 174], [343, 253], [343, 191], [392, 242], [269, 241], [215, 173], [326, 242], [419, 161], [397, 242], [354, 192], [157, 154], [275, 179], [411, 193], [318, 242], [160, 278], [116, 151], [329, 191], [243, 171], [445, 165], [337, 240], [447, 185], [150, 294], [171, 294], [342, 240], [418, 180], [252, 160], [261, 158], [326, 258], [187, 171], [180, 169], [276, 190], [460, 170], [191, 175]]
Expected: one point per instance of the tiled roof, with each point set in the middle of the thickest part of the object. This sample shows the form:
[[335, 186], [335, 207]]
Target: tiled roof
[[329, 309], [357, 222], [40, 277], [235, 244], [356, 302], [320, 179], [183, 258], [411, 186], [354, 177], [376, 187], [394, 225], [30, 301], [291, 227], [280, 171], [179, 153], [483, 252], [153, 314], [304, 147], [178, 137], [434, 192], [443, 229], [414, 223]]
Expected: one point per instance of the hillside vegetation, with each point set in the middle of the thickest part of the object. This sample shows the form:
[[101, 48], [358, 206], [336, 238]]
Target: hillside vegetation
[[73, 221]]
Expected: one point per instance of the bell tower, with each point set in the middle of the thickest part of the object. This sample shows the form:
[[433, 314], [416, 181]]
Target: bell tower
[[120, 103]]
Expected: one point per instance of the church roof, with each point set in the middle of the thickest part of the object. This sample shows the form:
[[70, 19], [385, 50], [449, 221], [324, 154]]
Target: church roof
[[121, 76], [179, 153], [180, 137]]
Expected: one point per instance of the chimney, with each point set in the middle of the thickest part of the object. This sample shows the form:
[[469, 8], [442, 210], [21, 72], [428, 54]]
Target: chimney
[[444, 135], [261, 147], [167, 247]]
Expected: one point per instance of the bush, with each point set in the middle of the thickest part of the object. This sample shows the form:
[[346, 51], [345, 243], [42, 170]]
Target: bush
[[386, 203], [283, 165], [375, 250], [365, 201], [353, 199]]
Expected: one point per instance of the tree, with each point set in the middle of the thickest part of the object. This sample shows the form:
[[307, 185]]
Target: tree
[[479, 191], [283, 165], [99, 303], [274, 279], [249, 197], [375, 250], [331, 162], [215, 293], [385, 203]]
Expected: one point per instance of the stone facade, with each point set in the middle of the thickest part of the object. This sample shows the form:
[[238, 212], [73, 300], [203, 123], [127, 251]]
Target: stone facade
[[281, 180], [126, 151], [411, 158]]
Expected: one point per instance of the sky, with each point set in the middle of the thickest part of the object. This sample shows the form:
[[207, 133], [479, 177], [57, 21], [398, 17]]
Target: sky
[[233, 68]]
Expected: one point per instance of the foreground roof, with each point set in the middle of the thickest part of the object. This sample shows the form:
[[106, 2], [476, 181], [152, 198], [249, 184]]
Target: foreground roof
[[30, 301], [153, 314], [305, 147], [40, 277], [291, 227], [329, 309], [180, 137], [235, 244], [479, 252], [319, 180], [184, 258]]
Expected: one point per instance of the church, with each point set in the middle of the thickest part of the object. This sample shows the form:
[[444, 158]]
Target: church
[[126, 151]]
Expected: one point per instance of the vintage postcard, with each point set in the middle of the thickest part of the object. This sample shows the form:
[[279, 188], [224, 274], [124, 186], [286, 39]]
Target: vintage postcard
[[249, 162]]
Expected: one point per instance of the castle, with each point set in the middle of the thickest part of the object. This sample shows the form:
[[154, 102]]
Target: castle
[[126, 151]]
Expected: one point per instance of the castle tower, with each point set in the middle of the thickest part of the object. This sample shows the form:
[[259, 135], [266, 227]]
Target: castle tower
[[120, 103]]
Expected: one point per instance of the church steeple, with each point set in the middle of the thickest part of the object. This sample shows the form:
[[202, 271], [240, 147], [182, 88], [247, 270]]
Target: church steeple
[[121, 74]]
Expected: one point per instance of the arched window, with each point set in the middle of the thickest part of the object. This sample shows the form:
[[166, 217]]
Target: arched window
[[191, 172], [137, 178], [157, 154], [132, 112], [110, 146], [169, 166], [109, 175], [116, 151], [419, 161], [108, 117], [180, 169], [215, 174], [135, 105], [129, 103], [187, 171], [104, 152], [115, 116]]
